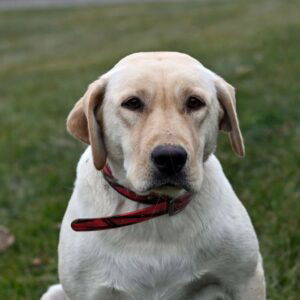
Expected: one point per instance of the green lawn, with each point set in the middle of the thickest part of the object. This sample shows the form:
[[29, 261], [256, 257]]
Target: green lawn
[[48, 57]]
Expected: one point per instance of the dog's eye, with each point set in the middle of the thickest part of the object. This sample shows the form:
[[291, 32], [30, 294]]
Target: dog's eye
[[194, 103], [133, 103]]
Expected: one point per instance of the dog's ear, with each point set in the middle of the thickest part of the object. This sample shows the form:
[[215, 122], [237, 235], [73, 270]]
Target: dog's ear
[[83, 124], [229, 121]]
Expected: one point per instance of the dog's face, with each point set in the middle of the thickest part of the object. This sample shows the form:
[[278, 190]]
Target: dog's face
[[156, 117]]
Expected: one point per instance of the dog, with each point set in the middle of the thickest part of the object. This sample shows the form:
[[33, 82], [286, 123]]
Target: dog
[[152, 123]]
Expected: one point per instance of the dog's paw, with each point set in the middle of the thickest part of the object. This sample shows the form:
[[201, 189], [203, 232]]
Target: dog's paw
[[54, 292]]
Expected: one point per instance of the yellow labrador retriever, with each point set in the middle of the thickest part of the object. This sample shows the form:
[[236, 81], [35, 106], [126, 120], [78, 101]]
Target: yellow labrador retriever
[[152, 123]]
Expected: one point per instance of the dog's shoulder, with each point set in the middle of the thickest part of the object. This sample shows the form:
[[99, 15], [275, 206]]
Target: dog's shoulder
[[85, 168], [87, 176], [230, 222]]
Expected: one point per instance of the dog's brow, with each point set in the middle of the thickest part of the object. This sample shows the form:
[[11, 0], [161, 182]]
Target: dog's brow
[[189, 91], [141, 93]]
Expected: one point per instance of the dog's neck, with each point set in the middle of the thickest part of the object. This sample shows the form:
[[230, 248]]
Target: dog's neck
[[158, 205]]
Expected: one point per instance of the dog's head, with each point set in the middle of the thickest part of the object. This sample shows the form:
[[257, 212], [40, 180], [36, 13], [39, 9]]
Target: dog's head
[[155, 117]]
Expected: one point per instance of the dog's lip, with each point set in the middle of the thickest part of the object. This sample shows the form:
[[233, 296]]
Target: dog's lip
[[168, 186]]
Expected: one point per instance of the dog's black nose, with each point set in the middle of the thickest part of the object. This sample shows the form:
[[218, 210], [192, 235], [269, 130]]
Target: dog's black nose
[[169, 159]]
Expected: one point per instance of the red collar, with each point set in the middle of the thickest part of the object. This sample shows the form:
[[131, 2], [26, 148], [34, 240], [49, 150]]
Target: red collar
[[161, 205]]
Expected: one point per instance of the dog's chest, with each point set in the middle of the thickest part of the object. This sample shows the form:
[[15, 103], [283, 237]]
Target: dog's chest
[[156, 273]]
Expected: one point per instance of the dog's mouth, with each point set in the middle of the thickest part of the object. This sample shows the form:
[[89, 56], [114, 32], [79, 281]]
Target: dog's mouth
[[164, 184]]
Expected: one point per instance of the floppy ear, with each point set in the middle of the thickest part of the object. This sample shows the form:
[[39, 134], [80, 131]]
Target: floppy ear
[[229, 121], [82, 122]]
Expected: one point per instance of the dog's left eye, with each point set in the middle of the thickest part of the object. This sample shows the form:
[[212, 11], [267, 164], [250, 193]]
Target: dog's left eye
[[194, 103], [133, 103]]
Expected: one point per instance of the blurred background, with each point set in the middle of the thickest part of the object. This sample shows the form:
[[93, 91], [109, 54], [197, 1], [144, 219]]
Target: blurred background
[[51, 50]]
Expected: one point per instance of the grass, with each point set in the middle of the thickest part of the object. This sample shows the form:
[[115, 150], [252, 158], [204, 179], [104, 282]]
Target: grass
[[48, 57]]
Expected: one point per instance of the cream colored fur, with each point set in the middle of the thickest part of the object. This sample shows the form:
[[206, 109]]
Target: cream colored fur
[[210, 250]]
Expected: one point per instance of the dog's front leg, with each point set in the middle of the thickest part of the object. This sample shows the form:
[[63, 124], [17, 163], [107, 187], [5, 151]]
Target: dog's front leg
[[211, 292], [54, 292], [96, 293], [255, 287], [110, 294]]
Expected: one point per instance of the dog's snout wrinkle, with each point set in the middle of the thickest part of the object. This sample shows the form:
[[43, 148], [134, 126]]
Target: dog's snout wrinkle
[[169, 159]]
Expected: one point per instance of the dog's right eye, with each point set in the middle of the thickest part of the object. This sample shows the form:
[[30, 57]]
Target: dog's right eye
[[133, 103]]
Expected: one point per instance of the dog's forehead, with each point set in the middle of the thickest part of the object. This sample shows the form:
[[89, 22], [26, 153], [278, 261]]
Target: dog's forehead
[[157, 56], [142, 70]]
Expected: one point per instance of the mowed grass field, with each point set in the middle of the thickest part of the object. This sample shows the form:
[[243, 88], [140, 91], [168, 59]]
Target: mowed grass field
[[48, 57]]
